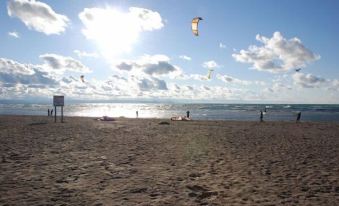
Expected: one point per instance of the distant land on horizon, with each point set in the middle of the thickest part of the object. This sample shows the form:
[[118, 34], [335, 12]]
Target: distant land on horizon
[[146, 101]]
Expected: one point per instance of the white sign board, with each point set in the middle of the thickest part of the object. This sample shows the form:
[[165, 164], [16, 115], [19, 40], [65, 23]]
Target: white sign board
[[58, 101]]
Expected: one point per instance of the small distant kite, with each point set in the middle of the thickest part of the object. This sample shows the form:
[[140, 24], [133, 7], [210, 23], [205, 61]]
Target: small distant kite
[[82, 78], [298, 70], [195, 23], [209, 73]]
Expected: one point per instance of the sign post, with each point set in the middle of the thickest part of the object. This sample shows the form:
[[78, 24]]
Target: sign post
[[55, 111], [58, 101]]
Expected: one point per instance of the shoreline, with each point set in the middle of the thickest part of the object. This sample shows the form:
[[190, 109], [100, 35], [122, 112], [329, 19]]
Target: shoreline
[[155, 118], [310, 113]]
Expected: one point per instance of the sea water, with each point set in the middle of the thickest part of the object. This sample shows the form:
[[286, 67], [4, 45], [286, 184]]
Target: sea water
[[249, 112]]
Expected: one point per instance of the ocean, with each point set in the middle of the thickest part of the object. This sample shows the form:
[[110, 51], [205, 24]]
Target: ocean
[[242, 112]]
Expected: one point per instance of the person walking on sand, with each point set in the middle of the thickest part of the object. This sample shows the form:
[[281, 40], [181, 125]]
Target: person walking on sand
[[52, 112], [48, 112], [137, 114], [261, 116], [298, 117], [188, 114]]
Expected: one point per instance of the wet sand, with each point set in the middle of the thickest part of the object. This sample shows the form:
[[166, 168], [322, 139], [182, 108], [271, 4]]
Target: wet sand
[[142, 162]]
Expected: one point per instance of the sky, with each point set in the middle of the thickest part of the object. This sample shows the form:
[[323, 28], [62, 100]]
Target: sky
[[257, 51]]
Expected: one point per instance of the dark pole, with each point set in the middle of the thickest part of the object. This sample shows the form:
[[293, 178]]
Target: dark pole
[[55, 113], [62, 113]]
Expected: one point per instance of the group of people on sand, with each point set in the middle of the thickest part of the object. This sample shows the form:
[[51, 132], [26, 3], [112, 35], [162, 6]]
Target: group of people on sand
[[50, 112], [262, 115], [182, 118]]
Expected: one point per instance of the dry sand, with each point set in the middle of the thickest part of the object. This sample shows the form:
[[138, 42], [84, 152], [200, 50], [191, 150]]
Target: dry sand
[[142, 162]]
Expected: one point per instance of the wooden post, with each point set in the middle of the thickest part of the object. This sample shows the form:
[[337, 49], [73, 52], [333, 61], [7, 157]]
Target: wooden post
[[55, 113], [62, 113]]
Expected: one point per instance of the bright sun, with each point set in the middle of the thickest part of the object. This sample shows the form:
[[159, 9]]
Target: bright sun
[[113, 31]]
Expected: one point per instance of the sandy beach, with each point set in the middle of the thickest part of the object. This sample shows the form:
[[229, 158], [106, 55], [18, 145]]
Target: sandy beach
[[142, 162]]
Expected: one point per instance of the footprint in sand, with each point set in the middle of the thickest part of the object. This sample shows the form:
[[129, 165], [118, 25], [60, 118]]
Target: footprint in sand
[[196, 188], [200, 192], [195, 175], [138, 190]]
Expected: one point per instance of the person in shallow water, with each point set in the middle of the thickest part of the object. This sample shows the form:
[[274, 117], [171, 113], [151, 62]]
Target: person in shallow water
[[261, 116], [298, 117]]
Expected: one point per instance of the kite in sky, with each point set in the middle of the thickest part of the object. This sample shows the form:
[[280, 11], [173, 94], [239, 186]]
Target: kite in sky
[[298, 70], [209, 73], [195, 23], [82, 77]]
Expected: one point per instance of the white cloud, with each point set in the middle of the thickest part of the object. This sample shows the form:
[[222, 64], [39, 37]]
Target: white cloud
[[156, 65], [132, 86], [229, 79], [23, 80], [210, 64], [152, 83], [277, 54], [148, 20], [278, 87], [125, 66], [13, 73], [18, 80], [233, 80], [198, 77], [61, 64], [222, 46], [159, 68], [184, 57], [121, 86], [38, 16], [14, 34], [197, 92], [9, 66], [307, 80], [116, 31], [152, 59], [334, 85], [54, 65], [86, 54]]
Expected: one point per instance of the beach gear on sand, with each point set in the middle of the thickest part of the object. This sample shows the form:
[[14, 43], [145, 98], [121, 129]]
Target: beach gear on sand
[[180, 118], [106, 118]]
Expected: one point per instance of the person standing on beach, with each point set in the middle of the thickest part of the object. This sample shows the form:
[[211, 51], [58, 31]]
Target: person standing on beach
[[188, 114], [137, 114], [48, 112], [298, 117], [261, 116], [52, 112]]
